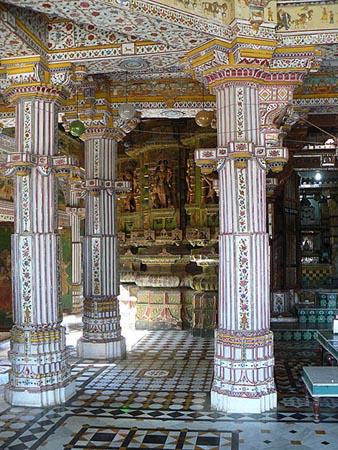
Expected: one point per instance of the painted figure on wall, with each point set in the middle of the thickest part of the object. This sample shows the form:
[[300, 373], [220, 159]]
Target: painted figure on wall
[[283, 19], [5, 280], [270, 14], [6, 229], [162, 189], [303, 18], [331, 17], [6, 189], [215, 8], [325, 15], [66, 268]]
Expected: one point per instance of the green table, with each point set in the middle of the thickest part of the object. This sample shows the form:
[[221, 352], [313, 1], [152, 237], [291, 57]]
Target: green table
[[329, 342], [320, 382]]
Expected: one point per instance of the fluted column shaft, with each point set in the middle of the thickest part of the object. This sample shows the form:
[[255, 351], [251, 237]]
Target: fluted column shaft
[[40, 372], [244, 351], [75, 226], [101, 319]]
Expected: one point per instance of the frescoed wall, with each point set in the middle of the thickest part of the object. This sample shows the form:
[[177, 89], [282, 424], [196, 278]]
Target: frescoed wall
[[66, 268], [308, 17], [6, 229], [221, 10], [6, 189]]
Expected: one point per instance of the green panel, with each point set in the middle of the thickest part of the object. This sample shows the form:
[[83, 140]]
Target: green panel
[[6, 229]]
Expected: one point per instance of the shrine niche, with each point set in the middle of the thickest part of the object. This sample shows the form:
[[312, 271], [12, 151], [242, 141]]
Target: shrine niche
[[170, 212], [149, 225]]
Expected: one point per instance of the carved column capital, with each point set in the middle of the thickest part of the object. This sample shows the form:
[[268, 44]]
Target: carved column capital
[[36, 78], [76, 211]]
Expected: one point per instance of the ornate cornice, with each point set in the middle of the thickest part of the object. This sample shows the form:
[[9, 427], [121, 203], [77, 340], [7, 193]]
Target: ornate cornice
[[34, 77]]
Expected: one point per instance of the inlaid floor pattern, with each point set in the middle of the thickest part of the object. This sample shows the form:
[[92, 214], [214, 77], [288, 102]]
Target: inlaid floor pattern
[[159, 398]]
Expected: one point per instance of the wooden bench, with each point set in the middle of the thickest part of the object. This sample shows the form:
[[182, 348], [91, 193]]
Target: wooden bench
[[320, 382]]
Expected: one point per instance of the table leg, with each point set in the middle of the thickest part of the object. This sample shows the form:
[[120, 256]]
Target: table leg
[[330, 359], [321, 353], [306, 394], [316, 407]]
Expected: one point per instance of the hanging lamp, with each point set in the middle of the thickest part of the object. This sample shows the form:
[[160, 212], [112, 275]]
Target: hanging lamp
[[204, 118], [127, 110]]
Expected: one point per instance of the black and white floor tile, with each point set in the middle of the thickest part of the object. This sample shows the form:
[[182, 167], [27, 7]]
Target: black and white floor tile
[[158, 398]]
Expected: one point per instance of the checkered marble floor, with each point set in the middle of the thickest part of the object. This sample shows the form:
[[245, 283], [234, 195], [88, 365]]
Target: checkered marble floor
[[158, 398]]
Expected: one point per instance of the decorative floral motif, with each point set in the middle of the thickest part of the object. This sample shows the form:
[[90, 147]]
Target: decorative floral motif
[[26, 278], [96, 215], [240, 122], [25, 202], [243, 286], [96, 158], [242, 210], [27, 126]]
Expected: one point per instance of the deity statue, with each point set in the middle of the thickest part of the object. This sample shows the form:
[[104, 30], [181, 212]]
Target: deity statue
[[130, 202], [189, 181], [210, 195], [161, 189]]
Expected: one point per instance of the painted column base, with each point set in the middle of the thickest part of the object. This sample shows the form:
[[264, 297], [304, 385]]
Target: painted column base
[[40, 398], [225, 403], [102, 350]]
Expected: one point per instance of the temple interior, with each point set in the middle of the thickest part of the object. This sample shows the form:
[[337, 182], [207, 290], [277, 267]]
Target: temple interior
[[169, 224]]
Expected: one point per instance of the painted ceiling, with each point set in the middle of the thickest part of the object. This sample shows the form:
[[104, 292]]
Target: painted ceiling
[[148, 38]]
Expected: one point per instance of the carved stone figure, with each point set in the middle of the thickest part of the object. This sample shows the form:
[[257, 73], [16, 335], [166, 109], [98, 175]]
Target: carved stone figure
[[189, 181], [210, 195], [130, 202], [162, 189]]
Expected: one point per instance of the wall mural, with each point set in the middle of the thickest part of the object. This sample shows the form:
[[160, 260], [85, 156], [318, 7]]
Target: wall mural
[[221, 10], [311, 17], [319, 84], [66, 268], [6, 229], [6, 189]]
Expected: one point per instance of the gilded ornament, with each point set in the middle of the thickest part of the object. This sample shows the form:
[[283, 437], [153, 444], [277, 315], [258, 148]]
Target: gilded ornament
[[204, 118]]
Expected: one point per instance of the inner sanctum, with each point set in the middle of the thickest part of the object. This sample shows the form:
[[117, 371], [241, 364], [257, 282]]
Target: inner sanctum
[[169, 224]]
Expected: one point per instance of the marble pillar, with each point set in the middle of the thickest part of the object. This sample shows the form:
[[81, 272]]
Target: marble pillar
[[76, 214], [40, 374], [101, 317], [244, 361]]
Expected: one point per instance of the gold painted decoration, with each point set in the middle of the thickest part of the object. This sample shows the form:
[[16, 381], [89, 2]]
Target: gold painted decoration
[[204, 118]]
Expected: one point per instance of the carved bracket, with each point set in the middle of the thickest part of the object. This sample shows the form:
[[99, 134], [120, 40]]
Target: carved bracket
[[21, 164], [273, 158]]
